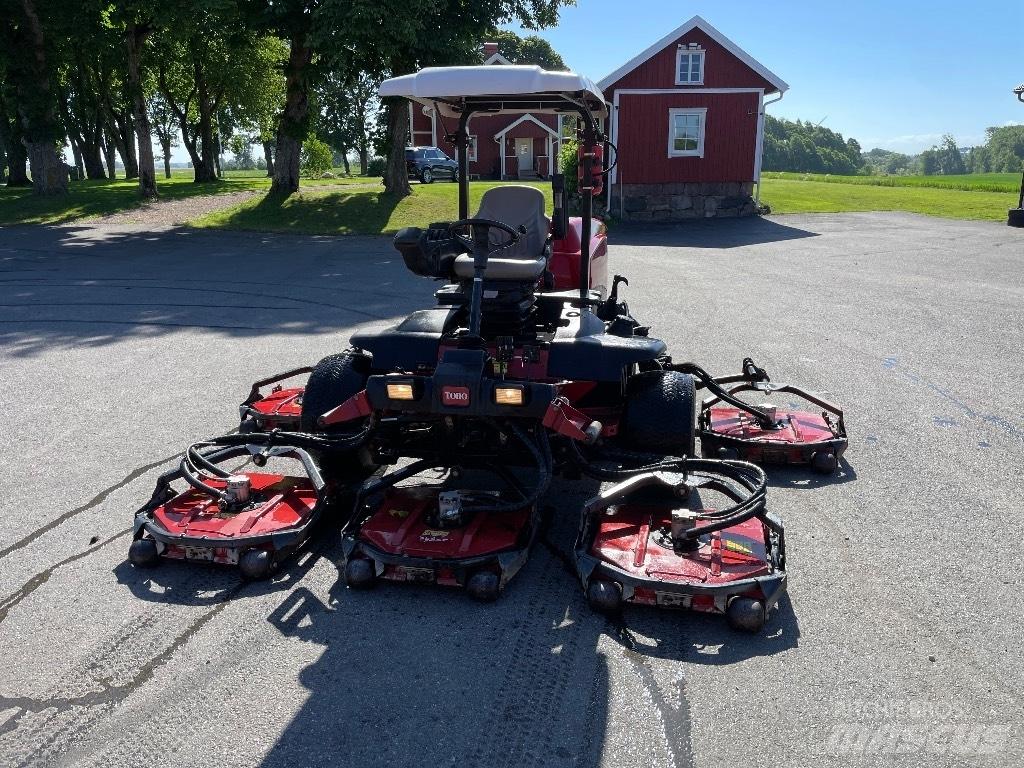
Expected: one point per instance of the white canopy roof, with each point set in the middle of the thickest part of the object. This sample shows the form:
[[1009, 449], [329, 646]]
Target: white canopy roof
[[509, 88]]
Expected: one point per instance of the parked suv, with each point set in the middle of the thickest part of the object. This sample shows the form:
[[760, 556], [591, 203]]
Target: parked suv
[[429, 163]]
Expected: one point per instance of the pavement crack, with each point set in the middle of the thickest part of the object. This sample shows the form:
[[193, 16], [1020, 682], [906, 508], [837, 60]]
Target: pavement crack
[[110, 694], [96, 500], [42, 577]]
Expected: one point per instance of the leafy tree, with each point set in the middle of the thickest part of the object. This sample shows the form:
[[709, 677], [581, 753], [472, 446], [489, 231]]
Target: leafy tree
[[1005, 146], [929, 162], [317, 158], [950, 161], [29, 67], [531, 49], [884, 162], [808, 148], [163, 121]]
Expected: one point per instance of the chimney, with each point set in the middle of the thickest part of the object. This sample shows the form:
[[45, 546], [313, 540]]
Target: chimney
[[489, 50]]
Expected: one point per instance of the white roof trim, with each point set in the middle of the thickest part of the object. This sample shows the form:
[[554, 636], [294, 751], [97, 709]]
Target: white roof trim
[[715, 35], [523, 119], [496, 58]]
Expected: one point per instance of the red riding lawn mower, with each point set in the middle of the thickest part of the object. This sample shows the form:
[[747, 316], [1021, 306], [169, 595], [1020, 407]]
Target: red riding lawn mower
[[527, 366]]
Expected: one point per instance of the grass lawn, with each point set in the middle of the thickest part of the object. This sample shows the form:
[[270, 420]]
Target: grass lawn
[[969, 182], [848, 193], [352, 212], [97, 198]]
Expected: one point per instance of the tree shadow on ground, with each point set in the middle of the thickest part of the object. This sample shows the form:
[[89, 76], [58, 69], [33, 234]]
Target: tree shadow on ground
[[708, 233], [65, 287]]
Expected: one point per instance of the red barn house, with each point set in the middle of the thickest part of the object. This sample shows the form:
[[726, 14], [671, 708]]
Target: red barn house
[[501, 146], [688, 119]]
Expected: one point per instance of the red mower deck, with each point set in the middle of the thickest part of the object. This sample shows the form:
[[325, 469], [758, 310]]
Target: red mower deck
[[795, 437], [629, 551], [249, 519], [404, 538], [281, 408]]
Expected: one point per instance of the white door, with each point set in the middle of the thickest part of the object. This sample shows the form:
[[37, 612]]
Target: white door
[[524, 151]]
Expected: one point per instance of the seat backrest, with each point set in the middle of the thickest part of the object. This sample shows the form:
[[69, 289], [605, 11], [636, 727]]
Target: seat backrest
[[516, 205]]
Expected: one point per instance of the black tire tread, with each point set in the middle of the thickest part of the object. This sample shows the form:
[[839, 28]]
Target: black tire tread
[[660, 413], [333, 381]]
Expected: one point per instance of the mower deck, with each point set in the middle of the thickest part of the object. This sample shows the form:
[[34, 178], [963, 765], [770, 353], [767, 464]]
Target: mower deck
[[403, 539], [794, 437], [629, 551], [249, 519]]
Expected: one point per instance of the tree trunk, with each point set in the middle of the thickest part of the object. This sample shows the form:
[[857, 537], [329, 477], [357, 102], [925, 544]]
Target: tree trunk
[[216, 155], [76, 150], [396, 177], [17, 159], [3, 161], [294, 119], [134, 39], [124, 132], [165, 145], [364, 159], [344, 162], [49, 172], [110, 155], [92, 154], [268, 155]]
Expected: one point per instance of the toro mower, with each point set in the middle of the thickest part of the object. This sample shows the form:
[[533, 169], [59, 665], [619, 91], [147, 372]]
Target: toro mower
[[528, 365]]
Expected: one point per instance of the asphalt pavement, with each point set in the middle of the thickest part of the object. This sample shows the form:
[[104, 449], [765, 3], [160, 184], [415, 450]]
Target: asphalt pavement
[[899, 642]]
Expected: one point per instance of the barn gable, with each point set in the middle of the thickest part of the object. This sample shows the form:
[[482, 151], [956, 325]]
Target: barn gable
[[719, 63]]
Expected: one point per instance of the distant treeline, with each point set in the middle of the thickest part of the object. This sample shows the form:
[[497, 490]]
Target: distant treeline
[[808, 148], [804, 147], [1002, 152]]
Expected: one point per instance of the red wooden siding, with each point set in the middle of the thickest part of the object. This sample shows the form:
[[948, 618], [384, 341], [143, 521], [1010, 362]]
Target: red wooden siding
[[721, 69], [730, 133], [484, 127]]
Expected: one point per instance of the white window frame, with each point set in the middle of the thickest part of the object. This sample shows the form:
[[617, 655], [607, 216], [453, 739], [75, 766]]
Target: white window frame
[[702, 112], [690, 52], [471, 149]]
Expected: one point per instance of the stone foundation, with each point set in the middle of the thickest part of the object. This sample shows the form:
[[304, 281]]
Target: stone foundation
[[683, 200]]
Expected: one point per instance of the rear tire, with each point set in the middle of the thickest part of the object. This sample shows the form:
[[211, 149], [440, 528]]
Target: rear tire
[[427, 177], [1015, 217], [334, 380], [660, 413]]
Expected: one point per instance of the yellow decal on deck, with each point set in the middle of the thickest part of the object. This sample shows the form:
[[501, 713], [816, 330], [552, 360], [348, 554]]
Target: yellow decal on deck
[[735, 546], [401, 514]]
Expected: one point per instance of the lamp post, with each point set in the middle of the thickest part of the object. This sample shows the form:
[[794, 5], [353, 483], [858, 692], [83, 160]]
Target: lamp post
[[1015, 216]]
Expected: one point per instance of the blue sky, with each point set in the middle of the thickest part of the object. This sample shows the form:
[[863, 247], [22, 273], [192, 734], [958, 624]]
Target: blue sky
[[892, 74]]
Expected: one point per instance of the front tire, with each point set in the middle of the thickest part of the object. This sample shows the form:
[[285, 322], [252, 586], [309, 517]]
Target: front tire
[[334, 380], [660, 413], [427, 177]]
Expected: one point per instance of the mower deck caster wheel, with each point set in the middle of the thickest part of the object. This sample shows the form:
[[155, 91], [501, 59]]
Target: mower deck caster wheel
[[728, 454], [604, 596], [824, 462], [360, 573], [484, 586], [255, 564], [143, 554], [746, 614]]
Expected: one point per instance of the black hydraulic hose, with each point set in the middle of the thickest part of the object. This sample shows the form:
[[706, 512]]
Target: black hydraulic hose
[[750, 477], [294, 439], [196, 483], [541, 453], [713, 386], [195, 458]]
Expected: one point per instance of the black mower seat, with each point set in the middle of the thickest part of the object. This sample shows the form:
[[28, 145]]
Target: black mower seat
[[516, 205]]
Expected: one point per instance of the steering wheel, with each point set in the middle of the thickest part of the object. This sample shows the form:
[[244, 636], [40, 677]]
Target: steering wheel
[[481, 229]]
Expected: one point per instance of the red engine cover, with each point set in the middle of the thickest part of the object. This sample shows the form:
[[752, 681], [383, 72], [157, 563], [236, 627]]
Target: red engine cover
[[399, 526], [279, 502], [631, 540]]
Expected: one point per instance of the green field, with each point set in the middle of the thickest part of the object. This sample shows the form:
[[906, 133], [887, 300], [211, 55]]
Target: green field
[[86, 199], [974, 182], [355, 211], [980, 196]]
